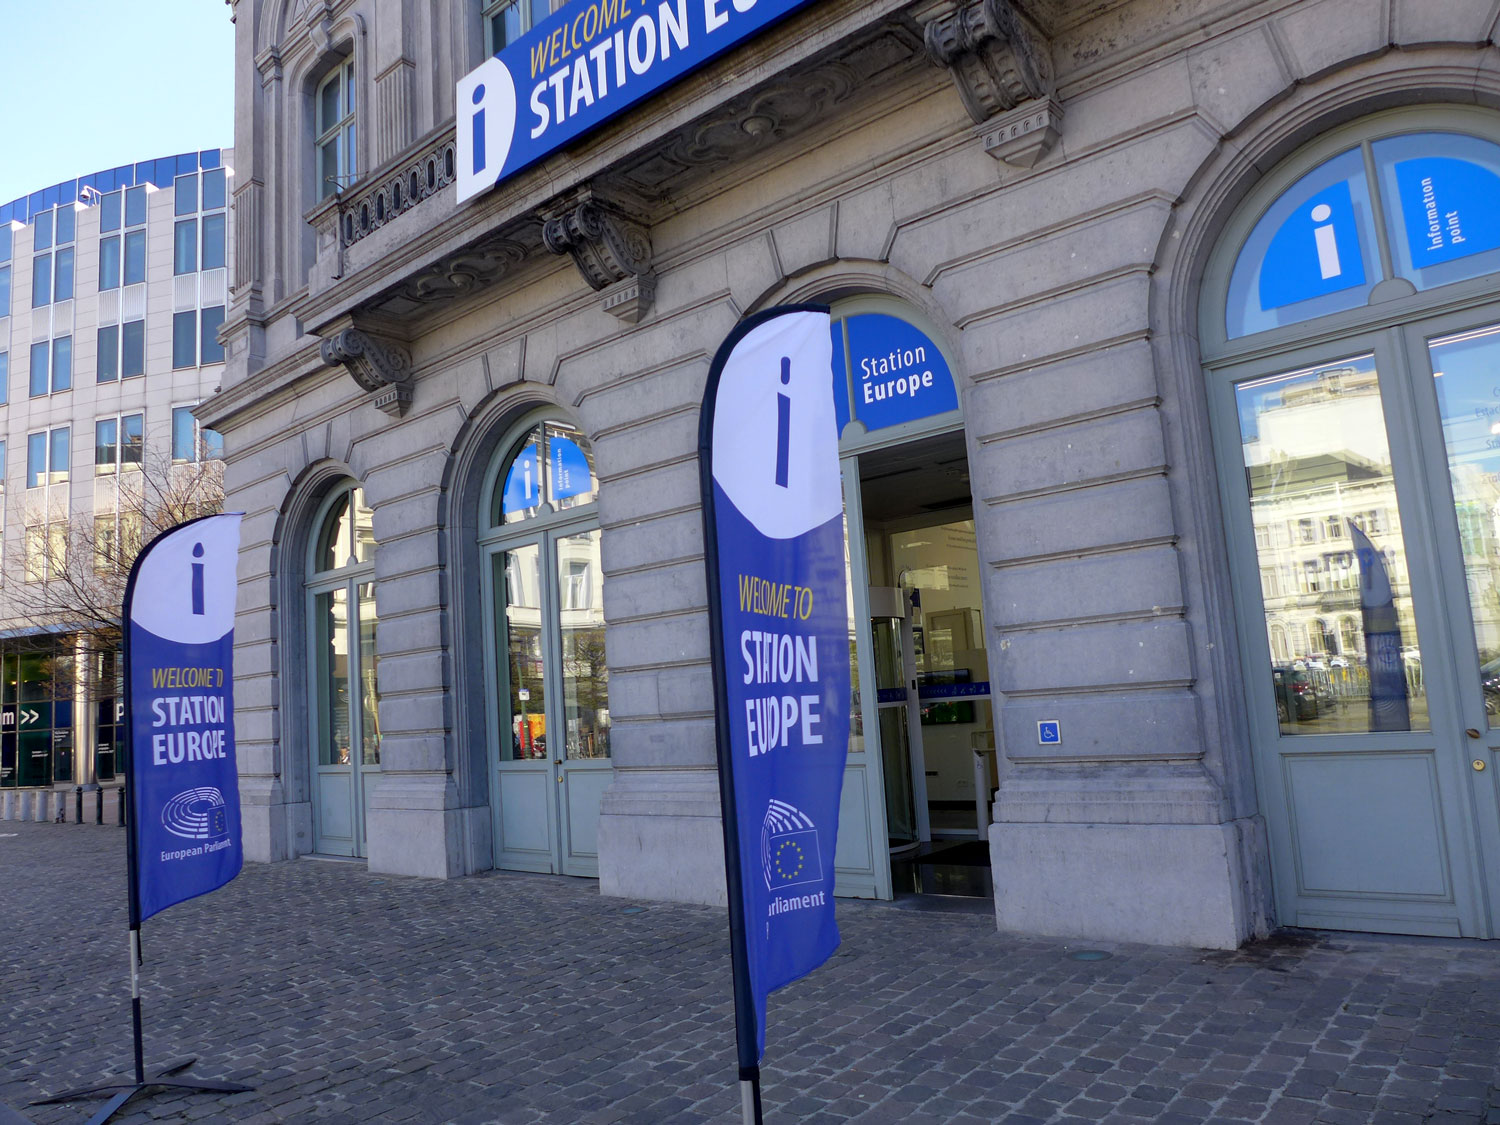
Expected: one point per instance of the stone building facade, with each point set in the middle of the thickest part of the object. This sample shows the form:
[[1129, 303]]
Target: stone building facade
[[1088, 210]]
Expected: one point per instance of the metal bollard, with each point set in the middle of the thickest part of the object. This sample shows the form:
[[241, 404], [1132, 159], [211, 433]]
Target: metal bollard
[[120, 792], [99, 805], [61, 797], [78, 804]]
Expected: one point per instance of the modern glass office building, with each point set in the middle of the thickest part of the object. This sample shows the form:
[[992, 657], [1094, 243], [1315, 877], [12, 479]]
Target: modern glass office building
[[112, 290], [1165, 353]]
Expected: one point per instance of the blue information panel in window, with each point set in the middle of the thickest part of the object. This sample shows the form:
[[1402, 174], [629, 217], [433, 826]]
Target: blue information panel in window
[[1315, 251], [1451, 208]]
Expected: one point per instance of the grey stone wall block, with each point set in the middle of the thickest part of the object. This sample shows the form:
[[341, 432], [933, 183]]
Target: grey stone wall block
[[410, 673], [421, 842], [411, 514], [421, 752], [1102, 516], [409, 632], [650, 491], [1097, 381], [1145, 580], [648, 542], [632, 695], [678, 743], [409, 591], [1322, 34], [411, 554], [673, 813], [1121, 108], [1235, 75], [686, 690], [1166, 885], [1071, 323], [866, 224], [807, 240], [680, 639], [648, 443], [1104, 448], [1114, 726], [752, 269], [661, 589], [1118, 654]]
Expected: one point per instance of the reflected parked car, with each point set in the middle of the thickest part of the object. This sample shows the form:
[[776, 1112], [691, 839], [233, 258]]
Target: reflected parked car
[[1296, 697], [1489, 680]]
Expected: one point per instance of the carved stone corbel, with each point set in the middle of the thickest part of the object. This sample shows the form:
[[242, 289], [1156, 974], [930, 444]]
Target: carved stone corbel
[[1002, 69], [378, 366], [611, 251]]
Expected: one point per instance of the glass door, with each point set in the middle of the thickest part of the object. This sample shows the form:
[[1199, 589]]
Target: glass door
[[1349, 675], [902, 762], [553, 759], [1461, 365]]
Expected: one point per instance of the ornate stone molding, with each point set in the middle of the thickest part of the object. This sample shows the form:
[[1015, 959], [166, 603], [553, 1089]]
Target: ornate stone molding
[[378, 366], [611, 251], [1000, 64]]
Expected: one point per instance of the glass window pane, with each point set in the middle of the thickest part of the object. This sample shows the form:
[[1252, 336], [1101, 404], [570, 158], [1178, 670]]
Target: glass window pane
[[108, 362], [185, 339], [213, 242], [4, 290], [135, 206], [369, 689], [132, 348], [41, 230], [66, 223], [185, 194], [109, 212], [1465, 368], [135, 257], [184, 447], [210, 441], [213, 189], [41, 281], [185, 246], [62, 273], [212, 319], [1332, 560], [331, 622], [349, 90], [584, 673], [518, 575], [1439, 191], [329, 102], [570, 473], [132, 440], [62, 363], [40, 383], [58, 461], [363, 520], [36, 458], [106, 445], [109, 263], [521, 498], [4, 390], [6, 242], [1314, 251], [333, 538], [328, 168]]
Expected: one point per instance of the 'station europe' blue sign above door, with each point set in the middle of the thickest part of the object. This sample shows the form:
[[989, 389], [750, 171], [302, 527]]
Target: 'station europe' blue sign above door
[[587, 62], [894, 373]]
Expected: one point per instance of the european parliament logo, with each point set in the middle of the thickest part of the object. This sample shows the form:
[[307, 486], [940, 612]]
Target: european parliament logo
[[196, 814], [789, 847]]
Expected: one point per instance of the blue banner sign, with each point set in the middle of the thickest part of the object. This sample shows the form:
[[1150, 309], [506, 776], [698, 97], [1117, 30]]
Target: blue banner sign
[[896, 373], [582, 65], [1451, 208], [523, 484], [179, 652], [774, 518], [1314, 252]]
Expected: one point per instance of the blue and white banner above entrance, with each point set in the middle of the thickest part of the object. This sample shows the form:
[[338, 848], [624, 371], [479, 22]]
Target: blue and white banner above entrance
[[179, 652], [893, 371], [582, 65], [774, 521]]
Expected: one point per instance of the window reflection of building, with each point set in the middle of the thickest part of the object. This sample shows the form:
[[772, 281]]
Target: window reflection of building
[[1317, 463]]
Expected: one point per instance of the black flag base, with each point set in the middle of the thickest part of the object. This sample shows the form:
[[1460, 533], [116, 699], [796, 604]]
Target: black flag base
[[164, 1079]]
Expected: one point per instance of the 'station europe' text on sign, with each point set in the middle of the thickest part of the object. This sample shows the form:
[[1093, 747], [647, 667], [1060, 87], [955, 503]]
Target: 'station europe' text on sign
[[588, 61]]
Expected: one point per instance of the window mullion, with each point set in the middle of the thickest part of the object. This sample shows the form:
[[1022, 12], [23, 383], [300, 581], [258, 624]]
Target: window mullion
[[1377, 204]]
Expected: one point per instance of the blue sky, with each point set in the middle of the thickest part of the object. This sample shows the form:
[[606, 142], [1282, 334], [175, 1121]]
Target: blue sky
[[90, 84]]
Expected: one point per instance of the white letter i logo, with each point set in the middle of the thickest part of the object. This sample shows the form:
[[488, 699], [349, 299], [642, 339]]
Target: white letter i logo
[[783, 423], [1328, 247]]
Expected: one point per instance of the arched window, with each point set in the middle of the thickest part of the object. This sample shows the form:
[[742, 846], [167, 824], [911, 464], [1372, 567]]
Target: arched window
[[539, 540], [1350, 331], [345, 711]]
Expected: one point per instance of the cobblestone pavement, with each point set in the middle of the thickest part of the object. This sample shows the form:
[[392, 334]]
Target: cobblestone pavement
[[350, 997]]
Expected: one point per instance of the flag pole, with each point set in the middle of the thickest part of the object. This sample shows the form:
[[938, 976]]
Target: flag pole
[[165, 1078], [744, 1002]]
